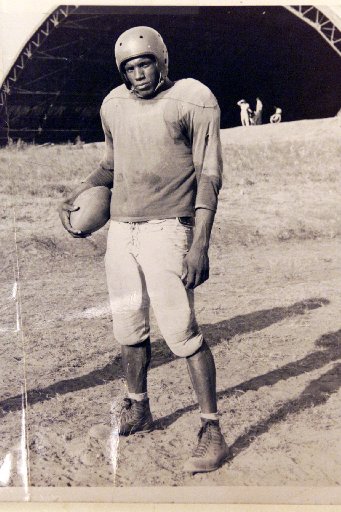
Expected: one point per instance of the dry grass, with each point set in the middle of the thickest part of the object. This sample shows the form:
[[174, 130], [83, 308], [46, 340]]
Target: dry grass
[[281, 182], [44, 171], [281, 188]]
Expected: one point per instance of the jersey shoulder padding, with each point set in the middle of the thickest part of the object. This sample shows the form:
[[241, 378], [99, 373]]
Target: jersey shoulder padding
[[120, 92], [189, 90]]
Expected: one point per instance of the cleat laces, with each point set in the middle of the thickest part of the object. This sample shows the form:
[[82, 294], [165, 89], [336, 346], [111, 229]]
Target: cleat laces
[[205, 436]]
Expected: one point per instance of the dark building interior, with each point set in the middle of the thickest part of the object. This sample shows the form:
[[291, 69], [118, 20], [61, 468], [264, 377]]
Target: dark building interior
[[239, 52]]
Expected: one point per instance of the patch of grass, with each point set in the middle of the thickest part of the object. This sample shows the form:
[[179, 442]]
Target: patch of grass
[[46, 171], [276, 188], [281, 189]]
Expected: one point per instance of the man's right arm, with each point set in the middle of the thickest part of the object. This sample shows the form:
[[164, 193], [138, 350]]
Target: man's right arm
[[102, 176]]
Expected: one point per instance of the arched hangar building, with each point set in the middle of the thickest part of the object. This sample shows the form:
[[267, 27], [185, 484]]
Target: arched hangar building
[[288, 56]]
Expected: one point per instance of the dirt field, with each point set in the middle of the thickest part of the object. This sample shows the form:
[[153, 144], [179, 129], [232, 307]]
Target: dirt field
[[270, 311]]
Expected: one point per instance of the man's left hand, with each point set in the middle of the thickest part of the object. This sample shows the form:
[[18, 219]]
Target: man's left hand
[[195, 267]]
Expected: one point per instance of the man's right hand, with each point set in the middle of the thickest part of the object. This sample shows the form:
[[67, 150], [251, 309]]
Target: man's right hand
[[66, 207]]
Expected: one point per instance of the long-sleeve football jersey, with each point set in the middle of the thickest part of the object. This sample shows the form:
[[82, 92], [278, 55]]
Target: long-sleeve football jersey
[[162, 155]]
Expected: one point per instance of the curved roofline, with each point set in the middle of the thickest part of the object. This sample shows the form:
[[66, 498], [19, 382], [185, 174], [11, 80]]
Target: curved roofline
[[50, 22], [35, 28], [324, 19], [331, 14]]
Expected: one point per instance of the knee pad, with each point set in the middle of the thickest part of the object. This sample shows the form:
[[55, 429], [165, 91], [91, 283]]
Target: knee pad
[[186, 347]]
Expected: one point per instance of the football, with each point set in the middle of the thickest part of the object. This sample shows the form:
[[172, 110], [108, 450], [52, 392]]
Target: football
[[94, 209]]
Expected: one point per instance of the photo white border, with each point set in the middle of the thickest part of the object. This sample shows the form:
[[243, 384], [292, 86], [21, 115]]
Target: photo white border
[[166, 499]]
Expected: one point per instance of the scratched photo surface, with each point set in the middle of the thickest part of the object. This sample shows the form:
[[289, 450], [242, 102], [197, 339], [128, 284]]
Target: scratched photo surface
[[270, 310]]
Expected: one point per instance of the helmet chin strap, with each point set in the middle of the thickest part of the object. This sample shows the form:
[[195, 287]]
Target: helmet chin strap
[[160, 83]]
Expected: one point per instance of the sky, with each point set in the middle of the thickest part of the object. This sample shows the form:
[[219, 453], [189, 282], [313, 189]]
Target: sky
[[20, 18]]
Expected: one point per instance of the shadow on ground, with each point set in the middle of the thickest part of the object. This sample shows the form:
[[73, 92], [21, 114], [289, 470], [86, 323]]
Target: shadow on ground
[[316, 393], [215, 333], [326, 384]]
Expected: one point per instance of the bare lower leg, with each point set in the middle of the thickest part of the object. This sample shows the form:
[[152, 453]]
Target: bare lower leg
[[202, 372], [135, 362]]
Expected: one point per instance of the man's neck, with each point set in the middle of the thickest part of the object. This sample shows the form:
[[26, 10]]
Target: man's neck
[[166, 84]]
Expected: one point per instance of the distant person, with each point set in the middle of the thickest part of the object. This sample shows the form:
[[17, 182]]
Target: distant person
[[338, 115], [245, 113], [277, 116], [257, 118]]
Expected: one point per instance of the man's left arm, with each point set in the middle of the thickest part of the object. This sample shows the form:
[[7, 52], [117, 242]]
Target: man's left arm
[[207, 158], [196, 267]]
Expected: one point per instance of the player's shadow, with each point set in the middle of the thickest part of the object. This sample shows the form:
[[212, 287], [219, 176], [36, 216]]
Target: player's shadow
[[215, 333], [241, 324], [316, 393]]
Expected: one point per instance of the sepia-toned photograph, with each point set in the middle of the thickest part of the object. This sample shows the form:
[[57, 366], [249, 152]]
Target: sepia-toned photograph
[[170, 252]]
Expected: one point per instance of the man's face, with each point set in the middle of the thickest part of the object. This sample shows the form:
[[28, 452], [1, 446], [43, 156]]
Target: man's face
[[143, 75]]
